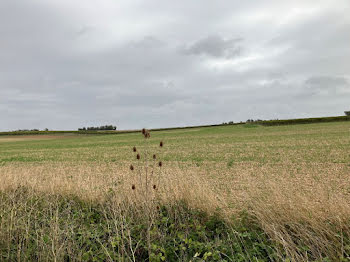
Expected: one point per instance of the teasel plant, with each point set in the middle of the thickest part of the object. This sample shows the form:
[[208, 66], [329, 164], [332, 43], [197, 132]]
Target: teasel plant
[[147, 169]]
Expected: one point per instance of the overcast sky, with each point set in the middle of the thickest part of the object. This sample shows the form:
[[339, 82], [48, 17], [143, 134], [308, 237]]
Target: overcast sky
[[66, 64]]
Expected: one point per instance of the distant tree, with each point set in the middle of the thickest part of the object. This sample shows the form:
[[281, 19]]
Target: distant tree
[[94, 128], [347, 113]]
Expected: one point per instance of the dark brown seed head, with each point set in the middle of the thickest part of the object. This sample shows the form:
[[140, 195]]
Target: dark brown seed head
[[133, 187], [138, 156], [154, 187], [154, 156], [134, 149], [131, 167], [158, 207], [160, 163], [147, 134], [161, 144]]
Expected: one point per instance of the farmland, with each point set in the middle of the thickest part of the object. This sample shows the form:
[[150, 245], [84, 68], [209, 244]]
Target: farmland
[[251, 191]]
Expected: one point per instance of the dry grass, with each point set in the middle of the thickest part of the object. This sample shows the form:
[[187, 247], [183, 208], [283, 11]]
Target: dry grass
[[293, 203], [308, 208], [104, 185], [94, 182]]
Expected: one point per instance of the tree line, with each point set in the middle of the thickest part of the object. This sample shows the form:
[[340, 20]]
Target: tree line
[[106, 127]]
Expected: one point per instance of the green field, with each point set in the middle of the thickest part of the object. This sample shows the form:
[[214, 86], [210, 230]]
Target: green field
[[288, 186], [311, 143]]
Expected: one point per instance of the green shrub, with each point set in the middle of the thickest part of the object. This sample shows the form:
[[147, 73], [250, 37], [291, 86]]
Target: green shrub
[[304, 121]]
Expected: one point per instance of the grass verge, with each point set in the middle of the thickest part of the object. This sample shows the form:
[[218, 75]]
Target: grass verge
[[39, 227]]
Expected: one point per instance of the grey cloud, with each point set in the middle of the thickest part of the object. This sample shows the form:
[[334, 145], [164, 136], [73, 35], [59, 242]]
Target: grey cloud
[[326, 82], [149, 42], [327, 85], [215, 46], [63, 66], [84, 30]]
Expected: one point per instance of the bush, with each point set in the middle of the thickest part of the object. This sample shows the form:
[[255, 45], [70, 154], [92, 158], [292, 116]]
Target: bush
[[106, 127], [304, 121]]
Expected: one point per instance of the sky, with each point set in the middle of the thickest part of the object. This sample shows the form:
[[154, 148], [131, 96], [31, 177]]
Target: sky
[[67, 64]]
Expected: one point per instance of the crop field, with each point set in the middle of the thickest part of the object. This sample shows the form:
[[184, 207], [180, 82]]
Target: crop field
[[225, 193]]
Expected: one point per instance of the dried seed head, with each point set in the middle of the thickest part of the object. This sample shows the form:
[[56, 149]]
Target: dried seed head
[[138, 156], [133, 187], [160, 163], [134, 149], [147, 134], [154, 187], [157, 207], [131, 167], [154, 156], [161, 144]]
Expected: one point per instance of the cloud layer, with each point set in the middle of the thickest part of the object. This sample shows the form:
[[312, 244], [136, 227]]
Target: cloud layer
[[136, 64]]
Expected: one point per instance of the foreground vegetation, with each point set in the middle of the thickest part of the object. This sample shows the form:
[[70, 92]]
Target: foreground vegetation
[[50, 227], [234, 193]]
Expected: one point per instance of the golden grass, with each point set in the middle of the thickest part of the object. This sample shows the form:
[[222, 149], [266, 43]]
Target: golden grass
[[292, 202], [94, 182], [305, 203]]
